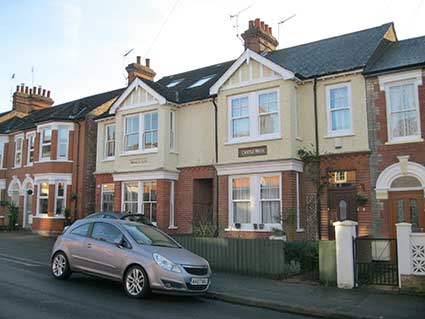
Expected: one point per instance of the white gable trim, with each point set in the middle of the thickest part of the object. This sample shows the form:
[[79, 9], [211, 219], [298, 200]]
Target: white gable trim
[[246, 56], [136, 83]]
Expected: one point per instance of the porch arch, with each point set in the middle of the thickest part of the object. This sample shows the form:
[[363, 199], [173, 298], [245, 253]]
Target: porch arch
[[395, 171]]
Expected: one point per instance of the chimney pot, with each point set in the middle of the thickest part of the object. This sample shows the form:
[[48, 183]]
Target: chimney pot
[[270, 30], [251, 24], [39, 90], [30, 91], [17, 88], [266, 27], [48, 93], [26, 90], [148, 62], [257, 22], [138, 59], [34, 90], [259, 41], [262, 24], [44, 92]]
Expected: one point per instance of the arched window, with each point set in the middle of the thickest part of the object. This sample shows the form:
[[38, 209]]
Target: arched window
[[342, 209]]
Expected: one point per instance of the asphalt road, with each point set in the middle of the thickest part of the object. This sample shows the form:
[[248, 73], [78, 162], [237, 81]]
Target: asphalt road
[[27, 290]]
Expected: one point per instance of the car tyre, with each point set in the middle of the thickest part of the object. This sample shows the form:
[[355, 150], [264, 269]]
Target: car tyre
[[60, 266], [136, 282]]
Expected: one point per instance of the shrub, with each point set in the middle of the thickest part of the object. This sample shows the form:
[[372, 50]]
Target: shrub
[[303, 253]]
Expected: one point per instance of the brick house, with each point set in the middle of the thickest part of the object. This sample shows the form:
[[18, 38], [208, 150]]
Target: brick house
[[46, 157], [396, 110], [220, 145]]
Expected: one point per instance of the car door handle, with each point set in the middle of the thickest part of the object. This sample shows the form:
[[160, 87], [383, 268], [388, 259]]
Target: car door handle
[[88, 245]]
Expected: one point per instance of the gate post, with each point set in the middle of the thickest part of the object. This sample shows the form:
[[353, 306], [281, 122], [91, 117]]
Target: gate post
[[345, 232], [403, 250]]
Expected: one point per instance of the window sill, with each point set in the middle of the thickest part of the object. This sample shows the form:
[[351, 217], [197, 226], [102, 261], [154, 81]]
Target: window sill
[[110, 159], [54, 161], [405, 141], [268, 228], [172, 227], [155, 150], [335, 135], [253, 139], [29, 165], [49, 217], [174, 152], [300, 230], [16, 167]]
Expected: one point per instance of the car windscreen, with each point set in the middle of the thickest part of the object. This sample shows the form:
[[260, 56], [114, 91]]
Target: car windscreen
[[146, 235]]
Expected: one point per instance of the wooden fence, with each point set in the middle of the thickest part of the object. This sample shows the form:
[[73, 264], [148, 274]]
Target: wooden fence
[[254, 257]]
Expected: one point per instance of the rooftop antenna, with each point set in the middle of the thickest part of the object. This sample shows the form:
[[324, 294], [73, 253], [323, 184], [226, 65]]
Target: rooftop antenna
[[282, 22], [235, 19], [12, 77], [32, 76], [125, 55]]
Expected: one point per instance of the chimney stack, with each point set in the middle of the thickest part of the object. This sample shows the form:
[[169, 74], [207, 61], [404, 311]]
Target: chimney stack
[[259, 37], [138, 70], [26, 100]]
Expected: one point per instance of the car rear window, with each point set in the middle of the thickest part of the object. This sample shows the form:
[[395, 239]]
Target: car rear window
[[146, 235], [82, 230]]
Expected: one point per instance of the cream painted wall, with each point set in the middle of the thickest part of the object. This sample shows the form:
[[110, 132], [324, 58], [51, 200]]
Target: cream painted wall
[[355, 143]]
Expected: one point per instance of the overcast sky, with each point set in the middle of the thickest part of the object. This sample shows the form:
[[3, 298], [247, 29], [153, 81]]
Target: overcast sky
[[77, 47]]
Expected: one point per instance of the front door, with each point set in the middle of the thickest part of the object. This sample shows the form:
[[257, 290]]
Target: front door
[[342, 204], [28, 210], [407, 207]]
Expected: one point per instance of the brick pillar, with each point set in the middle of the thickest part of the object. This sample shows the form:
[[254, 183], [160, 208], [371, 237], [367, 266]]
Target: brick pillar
[[37, 147], [163, 203], [117, 198], [289, 203], [51, 203], [223, 203], [54, 145], [71, 145], [35, 200]]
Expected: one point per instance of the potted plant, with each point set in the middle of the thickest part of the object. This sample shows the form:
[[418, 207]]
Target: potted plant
[[261, 226], [361, 200], [255, 226], [238, 225], [67, 213], [74, 196]]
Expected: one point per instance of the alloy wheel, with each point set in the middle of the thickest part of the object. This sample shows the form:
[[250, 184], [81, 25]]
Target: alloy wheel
[[135, 282], [59, 265]]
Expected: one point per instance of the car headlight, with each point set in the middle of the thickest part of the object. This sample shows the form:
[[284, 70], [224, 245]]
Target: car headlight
[[166, 264]]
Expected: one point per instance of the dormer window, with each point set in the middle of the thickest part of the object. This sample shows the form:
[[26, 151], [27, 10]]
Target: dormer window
[[201, 81], [174, 83]]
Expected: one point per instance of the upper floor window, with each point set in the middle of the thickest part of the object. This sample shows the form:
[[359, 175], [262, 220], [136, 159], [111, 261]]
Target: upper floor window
[[173, 131], [141, 132], [43, 198], [30, 153], [254, 116], [338, 100], [403, 111], [1, 153], [18, 151], [63, 138], [109, 141], [46, 143]]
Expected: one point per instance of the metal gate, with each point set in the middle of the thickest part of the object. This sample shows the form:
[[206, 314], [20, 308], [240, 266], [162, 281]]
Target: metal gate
[[375, 261]]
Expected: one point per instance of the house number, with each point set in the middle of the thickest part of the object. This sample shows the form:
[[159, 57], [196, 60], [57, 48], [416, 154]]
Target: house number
[[252, 151]]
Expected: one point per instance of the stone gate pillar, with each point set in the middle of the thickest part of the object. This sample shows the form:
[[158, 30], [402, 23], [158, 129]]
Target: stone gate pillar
[[345, 232]]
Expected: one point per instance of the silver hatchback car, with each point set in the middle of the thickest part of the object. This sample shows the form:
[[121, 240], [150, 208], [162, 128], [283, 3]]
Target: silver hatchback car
[[142, 257]]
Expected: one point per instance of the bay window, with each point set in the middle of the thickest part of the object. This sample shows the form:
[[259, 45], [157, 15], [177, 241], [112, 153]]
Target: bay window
[[255, 200], [254, 116], [43, 198], [403, 111], [140, 197], [141, 132], [338, 100], [46, 143], [30, 153], [18, 151], [63, 138], [108, 197], [60, 198], [110, 141]]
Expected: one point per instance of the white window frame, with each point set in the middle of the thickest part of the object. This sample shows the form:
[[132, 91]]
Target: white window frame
[[19, 138], [140, 202], [141, 148], [29, 149], [62, 197], [44, 197], [408, 138], [101, 195], [1, 153], [66, 129], [255, 201], [106, 157], [254, 118], [173, 130], [172, 222], [45, 144], [144, 131], [345, 132]]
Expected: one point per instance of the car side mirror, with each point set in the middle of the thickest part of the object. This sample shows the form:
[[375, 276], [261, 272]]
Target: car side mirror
[[122, 243]]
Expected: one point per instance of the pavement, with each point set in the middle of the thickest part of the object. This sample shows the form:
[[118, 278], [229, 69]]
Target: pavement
[[24, 258]]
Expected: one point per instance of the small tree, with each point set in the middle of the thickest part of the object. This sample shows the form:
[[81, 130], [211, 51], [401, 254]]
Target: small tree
[[11, 213]]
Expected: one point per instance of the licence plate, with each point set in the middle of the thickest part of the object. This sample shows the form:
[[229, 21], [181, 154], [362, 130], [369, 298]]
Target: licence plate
[[199, 281]]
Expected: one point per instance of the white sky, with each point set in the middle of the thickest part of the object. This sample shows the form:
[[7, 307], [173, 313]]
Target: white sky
[[76, 47]]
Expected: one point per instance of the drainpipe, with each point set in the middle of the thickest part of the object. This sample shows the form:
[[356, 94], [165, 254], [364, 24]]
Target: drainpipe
[[316, 133], [77, 168], [216, 161]]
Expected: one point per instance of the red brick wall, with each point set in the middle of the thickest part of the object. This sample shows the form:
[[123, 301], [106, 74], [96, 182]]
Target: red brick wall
[[163, 203]]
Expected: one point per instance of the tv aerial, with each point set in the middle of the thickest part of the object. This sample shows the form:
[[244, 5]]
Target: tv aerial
[[235, 19]]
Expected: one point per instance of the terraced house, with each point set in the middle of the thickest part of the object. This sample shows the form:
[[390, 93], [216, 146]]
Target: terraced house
[[221, 145], [46, 157]]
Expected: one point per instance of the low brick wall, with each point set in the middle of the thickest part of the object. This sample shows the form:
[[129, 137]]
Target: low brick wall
[[411, 284]]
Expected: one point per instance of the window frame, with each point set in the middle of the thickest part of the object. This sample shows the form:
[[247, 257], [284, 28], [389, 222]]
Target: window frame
[[140, 201], [44, 197], [30, 136], [254, 118], [42, 144], [66, 130], [2, 144], [408, 138], [173, 132], [144, 131], [107, 141], [61, 197], [141, 134], [19, 138], [255, 200], [101, 195], [344, 132]]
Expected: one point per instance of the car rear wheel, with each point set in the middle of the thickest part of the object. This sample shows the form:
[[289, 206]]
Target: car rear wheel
[[60, 266], [136, 283]]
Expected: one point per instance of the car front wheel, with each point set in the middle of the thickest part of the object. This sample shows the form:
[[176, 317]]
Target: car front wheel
[[136, 284], [60, 266]]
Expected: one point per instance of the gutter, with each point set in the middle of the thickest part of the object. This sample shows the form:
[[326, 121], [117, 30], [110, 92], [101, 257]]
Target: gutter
[[317, 152], [216, 162]]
